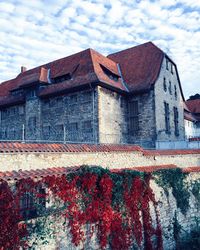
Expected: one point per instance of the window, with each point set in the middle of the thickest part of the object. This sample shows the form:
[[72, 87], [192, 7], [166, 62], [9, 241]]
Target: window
[[4, 114], [62, 78], [32, 124], [175, 91], [32, 94], [46, 103], [133, 118], [87, 126], [164, 84], [110, 74], [73, 126], [167, 118], [32, 205], [73, 99], [170, 87], [59, 101], [172, 71], [21, 110], [86, 97], [176, 127], [46, 132], [167, 64]]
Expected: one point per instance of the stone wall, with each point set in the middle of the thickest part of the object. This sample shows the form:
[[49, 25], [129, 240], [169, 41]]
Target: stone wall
[[11, 122], [146, 115], [167, 94], [112, 117], [28, 161]]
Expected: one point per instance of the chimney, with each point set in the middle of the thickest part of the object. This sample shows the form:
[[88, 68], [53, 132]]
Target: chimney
[[23, 69]]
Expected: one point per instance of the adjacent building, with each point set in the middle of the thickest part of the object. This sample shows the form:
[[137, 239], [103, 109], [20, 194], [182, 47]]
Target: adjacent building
[[132, 96], [192, 119]]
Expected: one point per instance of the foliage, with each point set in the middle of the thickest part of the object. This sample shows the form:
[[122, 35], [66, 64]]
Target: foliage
[[176, 180], [194, 97], [114, 205]]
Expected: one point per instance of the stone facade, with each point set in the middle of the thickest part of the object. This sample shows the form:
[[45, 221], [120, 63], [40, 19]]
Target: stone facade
[[167, 90], [96, 113]]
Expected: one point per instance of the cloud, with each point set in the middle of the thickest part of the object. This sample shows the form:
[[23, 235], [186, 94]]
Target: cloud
[[35, 32]]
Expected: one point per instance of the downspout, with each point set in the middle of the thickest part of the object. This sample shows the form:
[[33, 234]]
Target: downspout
[[93, 115]]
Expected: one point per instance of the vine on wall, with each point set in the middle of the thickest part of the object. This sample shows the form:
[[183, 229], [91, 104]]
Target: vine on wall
[[113, 206]]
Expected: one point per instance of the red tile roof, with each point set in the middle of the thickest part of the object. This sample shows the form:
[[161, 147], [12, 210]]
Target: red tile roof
[[140, 65], [193, 105], [171, 152], [84, 68], [58, 171], [9, 147]]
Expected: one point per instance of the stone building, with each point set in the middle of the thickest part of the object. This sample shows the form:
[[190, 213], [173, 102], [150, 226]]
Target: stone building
[[192, 118], [132, 96]]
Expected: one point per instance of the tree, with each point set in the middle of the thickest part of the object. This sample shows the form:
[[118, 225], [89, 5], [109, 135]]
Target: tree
[[194, 97]]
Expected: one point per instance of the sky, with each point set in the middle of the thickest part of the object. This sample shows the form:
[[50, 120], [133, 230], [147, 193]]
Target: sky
[[34, 32]]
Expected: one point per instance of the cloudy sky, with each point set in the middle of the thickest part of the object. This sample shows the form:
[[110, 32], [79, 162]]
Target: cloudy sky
[[33, 32]]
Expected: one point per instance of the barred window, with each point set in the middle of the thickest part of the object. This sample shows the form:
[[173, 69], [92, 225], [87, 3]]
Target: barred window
[[32, 124], [176, 127], [133, 118], [73, 126], [46, 132], [87, 126], [167, 118]]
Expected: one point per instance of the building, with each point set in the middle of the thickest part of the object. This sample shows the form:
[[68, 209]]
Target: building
[[132, 96], [192, 118]]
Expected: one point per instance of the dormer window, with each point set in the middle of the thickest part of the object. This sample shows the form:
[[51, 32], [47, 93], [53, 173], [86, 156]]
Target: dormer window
[[110, 74], [62, 78], [17, 92]]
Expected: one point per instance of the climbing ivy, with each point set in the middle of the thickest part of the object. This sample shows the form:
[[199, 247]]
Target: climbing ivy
[[176, 180]]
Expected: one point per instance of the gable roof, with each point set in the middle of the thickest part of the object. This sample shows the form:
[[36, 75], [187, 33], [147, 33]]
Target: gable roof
[[133, 70], [140, 65], [84, 68]]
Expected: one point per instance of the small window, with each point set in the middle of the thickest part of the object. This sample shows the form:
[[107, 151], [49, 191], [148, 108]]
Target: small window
[[62, 78], [87, 126], [46, 103], [59, 101], [21, 110], [110, 74], [46, 132], [86, 97], [73, 99], [164, 84], [176, 126], [175, 92], [32, 124], [170, 87], [133, 118], [73, 126], [167, 64], [32, 94], [172, 71], [167, 118]]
